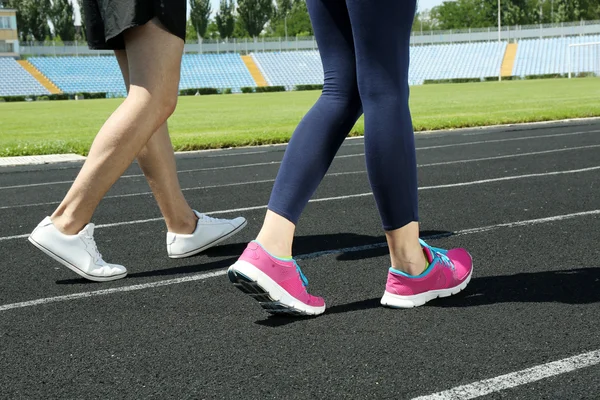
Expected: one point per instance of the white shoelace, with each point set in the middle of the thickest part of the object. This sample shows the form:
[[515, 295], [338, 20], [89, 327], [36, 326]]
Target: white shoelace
[[91, 245], [206, 218]]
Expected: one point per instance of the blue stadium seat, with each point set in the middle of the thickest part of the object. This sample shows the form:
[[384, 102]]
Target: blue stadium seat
[[549, 56], [102, 74], [290, 68], [15, 81], [448, 61]]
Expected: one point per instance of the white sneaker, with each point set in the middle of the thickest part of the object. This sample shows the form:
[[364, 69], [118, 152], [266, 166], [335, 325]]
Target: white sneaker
[[76, 252], [209, 232]]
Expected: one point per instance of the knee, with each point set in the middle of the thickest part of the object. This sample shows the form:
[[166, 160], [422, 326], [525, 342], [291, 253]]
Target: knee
[[160, 103], [167, 104], [343, 94]]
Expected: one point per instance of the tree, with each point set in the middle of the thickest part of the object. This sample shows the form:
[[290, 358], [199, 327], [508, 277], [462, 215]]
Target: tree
[[190, 31], [37, 13], [291, 19], [82, 32], [63, 20], [212, 32], [200, 15], [254, 14], [463, 13], [225, 19]]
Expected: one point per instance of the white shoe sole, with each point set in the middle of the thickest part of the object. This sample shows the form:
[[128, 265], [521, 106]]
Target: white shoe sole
[[397, 301], [272, 297], [211, 244], [74, 268]]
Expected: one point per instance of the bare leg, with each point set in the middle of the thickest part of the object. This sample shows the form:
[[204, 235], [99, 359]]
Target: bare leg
[[151, 100], [277, 235], [157, 161]]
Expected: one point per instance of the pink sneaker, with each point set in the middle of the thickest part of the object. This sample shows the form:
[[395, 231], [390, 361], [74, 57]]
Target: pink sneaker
[[278, 285], [449, 272]]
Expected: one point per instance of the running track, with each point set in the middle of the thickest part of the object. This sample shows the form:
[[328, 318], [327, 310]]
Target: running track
[[525, 200]]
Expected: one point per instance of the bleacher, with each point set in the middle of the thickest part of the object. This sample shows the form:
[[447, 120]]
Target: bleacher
[[102, 74], [428, 62], [452, 61], [290, 68], [82, 74], [215, 71], [15, 81], [464, 60], [549, 56]]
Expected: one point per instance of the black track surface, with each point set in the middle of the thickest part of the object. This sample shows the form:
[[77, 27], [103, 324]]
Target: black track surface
[[534, 297]]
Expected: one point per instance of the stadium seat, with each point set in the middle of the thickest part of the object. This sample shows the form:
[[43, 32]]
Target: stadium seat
[[102, 74], [448, 61], [15, 81], [549, 56]]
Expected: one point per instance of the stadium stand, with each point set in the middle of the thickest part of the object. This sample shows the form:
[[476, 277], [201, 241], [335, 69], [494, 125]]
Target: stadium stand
[[214, 70], [82, 74], [102, 74], [549, 56], [453, 61], [428, 62], [15, 81], [448, 61], [290, 68]]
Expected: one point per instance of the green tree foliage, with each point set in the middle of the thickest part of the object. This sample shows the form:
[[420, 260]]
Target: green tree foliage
[[293, 15], [82, 18], [212, 32], [254, 14], [32, 18], [200, 15], [484, 13], [63, 19], [225, 19]]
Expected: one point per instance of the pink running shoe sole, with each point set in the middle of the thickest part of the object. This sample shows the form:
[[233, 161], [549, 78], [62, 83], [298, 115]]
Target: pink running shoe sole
[[398, 301], [272, 297]]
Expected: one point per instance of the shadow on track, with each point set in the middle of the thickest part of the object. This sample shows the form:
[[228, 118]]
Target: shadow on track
[[575, 286], [302, 245]]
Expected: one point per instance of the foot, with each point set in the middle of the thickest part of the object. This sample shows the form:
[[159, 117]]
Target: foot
[[76, 252], [209, 232], [449, 272], [278, 285]]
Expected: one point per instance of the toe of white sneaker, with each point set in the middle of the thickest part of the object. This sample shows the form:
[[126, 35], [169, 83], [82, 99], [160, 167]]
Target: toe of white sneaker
[[237, 222], [109, 270]]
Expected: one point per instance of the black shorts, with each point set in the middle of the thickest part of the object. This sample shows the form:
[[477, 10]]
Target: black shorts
[[106, 20]]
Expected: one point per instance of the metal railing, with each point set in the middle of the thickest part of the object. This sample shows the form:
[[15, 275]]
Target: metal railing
[[248, 45]]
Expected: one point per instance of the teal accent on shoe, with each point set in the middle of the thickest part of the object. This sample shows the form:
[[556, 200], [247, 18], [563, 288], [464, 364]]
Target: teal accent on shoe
[[424, 273], [290, 259]]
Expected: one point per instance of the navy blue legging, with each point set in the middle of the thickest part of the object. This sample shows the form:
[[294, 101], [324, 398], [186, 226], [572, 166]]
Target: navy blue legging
[[364, 46]]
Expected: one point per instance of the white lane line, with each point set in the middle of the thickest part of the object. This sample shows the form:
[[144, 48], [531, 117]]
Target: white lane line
[[104, 292], [493, 140], [352, 196], [343, 156], [514, 379], [470, 231], [331, 174], [203, 276], [117, 196], [532, 153]]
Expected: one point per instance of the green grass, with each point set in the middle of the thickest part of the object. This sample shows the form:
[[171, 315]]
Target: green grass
[[235, 120]]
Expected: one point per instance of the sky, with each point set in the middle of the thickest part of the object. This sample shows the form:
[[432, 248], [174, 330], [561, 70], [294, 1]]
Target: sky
[[423, 5]]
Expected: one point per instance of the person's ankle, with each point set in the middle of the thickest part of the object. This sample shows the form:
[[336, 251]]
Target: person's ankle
[[277, 248], [185, 225], [410, 262], [66, 224]]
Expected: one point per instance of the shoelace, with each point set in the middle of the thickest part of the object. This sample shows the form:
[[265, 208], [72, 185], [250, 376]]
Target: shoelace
[[439, 253], [92, 245], [445, 260], [304, 279], [206, 218]]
